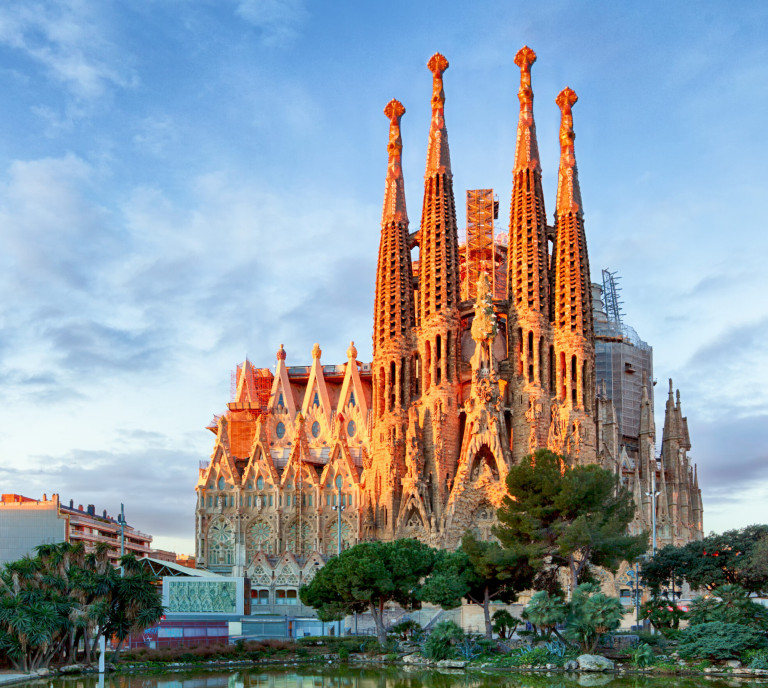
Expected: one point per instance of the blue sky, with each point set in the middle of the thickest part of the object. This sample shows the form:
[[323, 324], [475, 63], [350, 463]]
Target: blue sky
[[186, 183]]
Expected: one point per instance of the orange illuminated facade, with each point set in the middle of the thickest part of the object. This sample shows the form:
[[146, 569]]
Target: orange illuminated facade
[[482, 353]]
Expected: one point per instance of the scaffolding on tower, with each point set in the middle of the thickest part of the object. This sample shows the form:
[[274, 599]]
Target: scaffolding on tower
[[611, 292], [479, 250]]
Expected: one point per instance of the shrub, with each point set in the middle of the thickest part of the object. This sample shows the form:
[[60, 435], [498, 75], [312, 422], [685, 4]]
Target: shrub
[[663, 614], [756, 659], [504, 623], [642, 656], [729, 604], [407, 629], [718, 640], [545, 611], [591, 614], [469, 648], [343, 652], [442, 641]]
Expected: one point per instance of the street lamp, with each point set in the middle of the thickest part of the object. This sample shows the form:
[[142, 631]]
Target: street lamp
[[635, 587], [653, 494], [338, 508]]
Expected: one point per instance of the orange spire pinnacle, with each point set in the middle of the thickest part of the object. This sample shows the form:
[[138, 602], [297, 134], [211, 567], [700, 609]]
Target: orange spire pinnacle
[[394, 194], [527, 149], [568, 191], [438, 157]]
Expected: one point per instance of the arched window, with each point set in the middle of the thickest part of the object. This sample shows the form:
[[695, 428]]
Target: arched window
[[221, 482], [221, 543], [260, 483]]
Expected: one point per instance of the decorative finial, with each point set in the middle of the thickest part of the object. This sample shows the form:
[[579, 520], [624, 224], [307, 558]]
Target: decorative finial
[[299, 418], [281, 353], [526, 148], [437, 65], [352, 351], [568, 191], [394, 194], [316, 351], [524, 59], [438, 157]]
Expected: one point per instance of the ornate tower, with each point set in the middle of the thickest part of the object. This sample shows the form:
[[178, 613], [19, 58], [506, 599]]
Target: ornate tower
[[393, 321], [530, 335], [437, 310], [574, 337]]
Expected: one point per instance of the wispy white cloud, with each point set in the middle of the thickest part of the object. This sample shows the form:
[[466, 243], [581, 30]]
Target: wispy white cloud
[[70, 41], [278, 21]]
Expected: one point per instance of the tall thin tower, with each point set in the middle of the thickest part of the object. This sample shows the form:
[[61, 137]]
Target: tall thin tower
[[572, 297], [528, 281], [393, 321], [437, 309]]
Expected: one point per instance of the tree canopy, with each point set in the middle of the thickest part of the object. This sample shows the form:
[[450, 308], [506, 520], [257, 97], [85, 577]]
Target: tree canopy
[[567, 517], [368, 576], [49, 602], [482, 572], [738, 557]]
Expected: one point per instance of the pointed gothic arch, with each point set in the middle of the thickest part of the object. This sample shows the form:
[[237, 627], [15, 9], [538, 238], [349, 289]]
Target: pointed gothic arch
[[482, 458]]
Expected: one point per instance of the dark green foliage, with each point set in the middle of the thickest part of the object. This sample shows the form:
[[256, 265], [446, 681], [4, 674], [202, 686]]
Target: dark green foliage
[[729, 604], [51, 602], [737, 557], [545, 611], [662, 613], [442, 641], [504, 623], [366, 577], [482, 572], [591, 613], [642, 656], [718, 640], [572, 517], [755, 659], [407, 629]]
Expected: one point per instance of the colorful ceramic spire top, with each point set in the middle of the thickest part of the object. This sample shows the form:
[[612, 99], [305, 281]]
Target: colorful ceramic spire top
[[527, 149], [439, 278], [393, 312], [527, 267], [572, 296], [438, 157], [568, 191], [394, 194]]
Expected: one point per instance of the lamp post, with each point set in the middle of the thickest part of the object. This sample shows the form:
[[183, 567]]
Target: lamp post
[[653, 494], [122, 538], [338, 508], [635, 587]]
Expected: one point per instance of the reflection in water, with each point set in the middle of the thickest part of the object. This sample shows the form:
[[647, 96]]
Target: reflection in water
[[388, 677]]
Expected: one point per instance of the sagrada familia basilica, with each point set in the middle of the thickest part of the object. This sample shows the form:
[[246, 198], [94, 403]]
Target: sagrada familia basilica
[[482, 353]]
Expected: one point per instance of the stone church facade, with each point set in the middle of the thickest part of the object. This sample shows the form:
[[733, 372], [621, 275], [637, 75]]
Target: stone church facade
[[467, 378]]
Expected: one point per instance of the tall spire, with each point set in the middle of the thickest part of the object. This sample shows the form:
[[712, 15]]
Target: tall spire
[[572, 287], [528, 280], [568, 191], [438, 156], [393, 311], [571, 284], [394, 194], [439, 280], [527, 149]]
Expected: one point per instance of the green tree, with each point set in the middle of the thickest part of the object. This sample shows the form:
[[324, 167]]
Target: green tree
[[49, 602], [592, 613], [567, 517], [504, 623], [729, 604], [737, 557], [662, 613], [718, 640], [368, 576], [482, 572], [545, 611]]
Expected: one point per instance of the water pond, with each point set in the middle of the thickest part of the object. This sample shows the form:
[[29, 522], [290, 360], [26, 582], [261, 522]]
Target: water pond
[[335, 676]]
